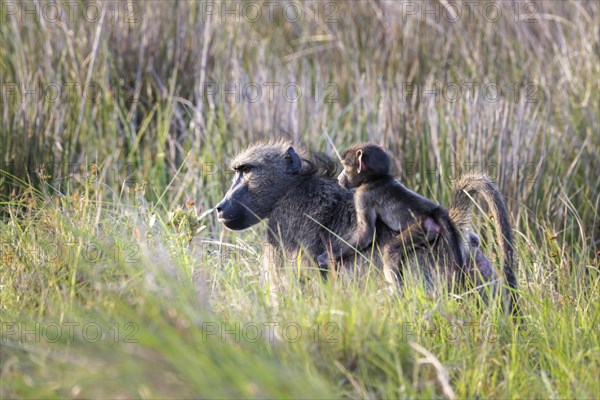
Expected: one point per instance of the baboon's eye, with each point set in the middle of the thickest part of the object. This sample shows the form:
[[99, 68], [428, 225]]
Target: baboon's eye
[[244, 168]]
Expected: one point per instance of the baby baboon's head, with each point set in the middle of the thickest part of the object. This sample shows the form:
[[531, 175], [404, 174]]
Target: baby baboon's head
[[363, 163], [263, 172]]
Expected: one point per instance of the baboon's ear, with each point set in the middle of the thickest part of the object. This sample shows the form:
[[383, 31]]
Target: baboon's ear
[[296, 162], [359, 155]]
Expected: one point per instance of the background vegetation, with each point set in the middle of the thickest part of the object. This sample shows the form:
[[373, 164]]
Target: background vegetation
[[117, 119]]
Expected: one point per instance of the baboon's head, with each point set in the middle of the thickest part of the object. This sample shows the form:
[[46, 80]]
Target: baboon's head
[[363, 163], [263, 173]]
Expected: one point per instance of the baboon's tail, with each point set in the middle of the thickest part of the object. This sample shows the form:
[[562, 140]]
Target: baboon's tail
[[465, 189]]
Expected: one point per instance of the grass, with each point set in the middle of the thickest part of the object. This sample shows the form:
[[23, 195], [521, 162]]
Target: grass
[[116, 282]]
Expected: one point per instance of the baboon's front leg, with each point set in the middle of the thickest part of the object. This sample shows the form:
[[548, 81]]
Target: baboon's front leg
[[270, 273]]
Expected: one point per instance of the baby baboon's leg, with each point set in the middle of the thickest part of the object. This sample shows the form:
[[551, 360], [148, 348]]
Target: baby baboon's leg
[[420, 234]]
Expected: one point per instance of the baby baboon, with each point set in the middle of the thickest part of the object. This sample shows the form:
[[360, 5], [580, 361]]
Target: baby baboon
[[378, 195]]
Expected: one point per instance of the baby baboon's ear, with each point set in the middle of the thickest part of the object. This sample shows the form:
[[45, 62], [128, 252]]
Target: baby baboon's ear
[[359, 157], [295, 161]]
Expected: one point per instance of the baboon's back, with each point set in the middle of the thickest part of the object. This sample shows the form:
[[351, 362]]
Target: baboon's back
[[303, 213]]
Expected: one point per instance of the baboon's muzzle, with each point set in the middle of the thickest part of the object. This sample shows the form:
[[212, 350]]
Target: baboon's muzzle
[[343, 180], [234, 215]]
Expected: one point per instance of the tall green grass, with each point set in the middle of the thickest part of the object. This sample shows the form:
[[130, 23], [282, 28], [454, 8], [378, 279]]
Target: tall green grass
[[104, 193]]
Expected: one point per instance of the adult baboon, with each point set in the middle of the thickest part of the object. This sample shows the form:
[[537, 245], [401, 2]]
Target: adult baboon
[[298, 194]]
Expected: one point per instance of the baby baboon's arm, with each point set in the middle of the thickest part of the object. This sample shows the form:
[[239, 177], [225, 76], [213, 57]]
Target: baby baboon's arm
[[366, 215], [419, 234], [361, 238]]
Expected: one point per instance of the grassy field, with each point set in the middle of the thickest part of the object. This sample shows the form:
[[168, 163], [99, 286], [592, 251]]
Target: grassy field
[[117, 121]]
